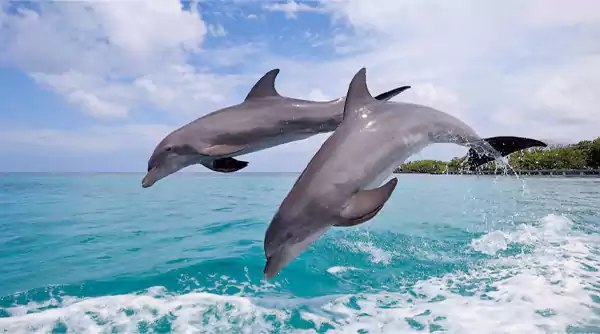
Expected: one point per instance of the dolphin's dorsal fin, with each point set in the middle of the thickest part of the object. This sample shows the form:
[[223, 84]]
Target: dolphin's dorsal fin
[[265, 86], [358, 93]]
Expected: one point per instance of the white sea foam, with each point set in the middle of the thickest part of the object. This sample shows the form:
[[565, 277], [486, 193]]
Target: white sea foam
[[543, 290], [551, 228], [337, 269], [377, 254]]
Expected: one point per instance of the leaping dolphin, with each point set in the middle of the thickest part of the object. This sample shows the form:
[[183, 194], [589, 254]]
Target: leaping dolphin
[[340, 185], [263, 120]]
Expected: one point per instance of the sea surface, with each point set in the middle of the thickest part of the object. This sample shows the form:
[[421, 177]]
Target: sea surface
[[97, 253]]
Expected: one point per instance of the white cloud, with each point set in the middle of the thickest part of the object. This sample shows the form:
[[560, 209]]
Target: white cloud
[[108, 58], [91, 140], [291, 8], [127, 37], [571, 91], [177, 88], [557, 12], [508, 68], [183, 88], [318, 95], [92, 94], [557, 102]]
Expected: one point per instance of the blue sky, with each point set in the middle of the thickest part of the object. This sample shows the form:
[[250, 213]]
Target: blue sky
[[93, 86]]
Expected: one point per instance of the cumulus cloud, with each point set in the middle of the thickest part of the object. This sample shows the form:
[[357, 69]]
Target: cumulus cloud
[[128, 37], [94, 95], [184, 88], [570, 92], [91, 140], [107, 58], [515, 68], [291, 8], [559, 102]]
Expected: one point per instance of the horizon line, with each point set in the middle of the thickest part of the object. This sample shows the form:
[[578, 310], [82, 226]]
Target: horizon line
[[112, 172]]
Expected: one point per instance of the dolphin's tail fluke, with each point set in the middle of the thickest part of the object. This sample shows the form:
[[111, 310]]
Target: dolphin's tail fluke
[[504, 146]]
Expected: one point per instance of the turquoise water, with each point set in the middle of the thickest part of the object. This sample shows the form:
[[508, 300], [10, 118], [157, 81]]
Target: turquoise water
[[457, 254]]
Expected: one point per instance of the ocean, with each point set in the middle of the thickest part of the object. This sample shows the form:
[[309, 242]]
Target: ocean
[[97, 253]]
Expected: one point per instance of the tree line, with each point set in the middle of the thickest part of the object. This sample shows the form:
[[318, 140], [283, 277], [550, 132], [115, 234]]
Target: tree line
[[582, 155]]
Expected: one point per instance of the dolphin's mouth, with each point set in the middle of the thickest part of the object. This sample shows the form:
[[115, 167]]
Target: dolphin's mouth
[[266, 272], [148, 180], [146, 183]]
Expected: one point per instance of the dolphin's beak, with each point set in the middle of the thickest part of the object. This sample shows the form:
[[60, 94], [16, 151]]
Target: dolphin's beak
[[268, 271], [149, 179], [146, 183], [162, 170]]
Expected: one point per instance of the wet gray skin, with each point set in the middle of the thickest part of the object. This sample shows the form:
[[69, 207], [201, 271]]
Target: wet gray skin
[[263, 120], [340, 186]]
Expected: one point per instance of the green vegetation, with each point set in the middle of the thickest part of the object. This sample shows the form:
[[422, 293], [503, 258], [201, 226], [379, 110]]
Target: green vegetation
[[583, 155]]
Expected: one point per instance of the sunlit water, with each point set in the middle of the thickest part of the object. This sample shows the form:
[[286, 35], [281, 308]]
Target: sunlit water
[[456, 254]]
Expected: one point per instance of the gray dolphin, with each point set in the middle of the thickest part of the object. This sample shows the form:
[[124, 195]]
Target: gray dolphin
[[263, 120], [340, 186]]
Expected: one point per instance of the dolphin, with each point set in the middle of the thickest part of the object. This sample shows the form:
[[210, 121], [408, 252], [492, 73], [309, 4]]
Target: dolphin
[[340, 186], [263, 120]]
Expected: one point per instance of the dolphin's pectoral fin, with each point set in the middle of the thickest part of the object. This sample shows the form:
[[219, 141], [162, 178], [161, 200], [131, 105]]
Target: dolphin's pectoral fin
[[360, 220], [365, 204], [226, 165], [220, 150], [504, 145], [391, 93]]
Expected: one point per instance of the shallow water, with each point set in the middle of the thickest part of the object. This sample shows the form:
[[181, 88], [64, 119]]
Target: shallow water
[[458, 254]]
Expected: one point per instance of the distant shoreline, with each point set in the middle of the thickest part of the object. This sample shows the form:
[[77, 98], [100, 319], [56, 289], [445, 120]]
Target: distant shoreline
[[573, 160], [547, 172]]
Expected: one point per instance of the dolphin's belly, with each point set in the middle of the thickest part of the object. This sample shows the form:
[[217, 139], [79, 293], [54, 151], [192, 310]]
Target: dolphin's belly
[[377, 178], [397, 157], [276, 141]]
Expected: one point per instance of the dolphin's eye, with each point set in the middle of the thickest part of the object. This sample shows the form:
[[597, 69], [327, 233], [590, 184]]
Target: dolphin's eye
[[169, 149]]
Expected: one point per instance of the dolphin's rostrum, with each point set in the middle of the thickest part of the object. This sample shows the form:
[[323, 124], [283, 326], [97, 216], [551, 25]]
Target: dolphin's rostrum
[[340, 186], [263, 120]]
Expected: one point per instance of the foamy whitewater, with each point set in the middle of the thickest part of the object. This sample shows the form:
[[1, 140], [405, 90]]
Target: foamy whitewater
[[455, 254]]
